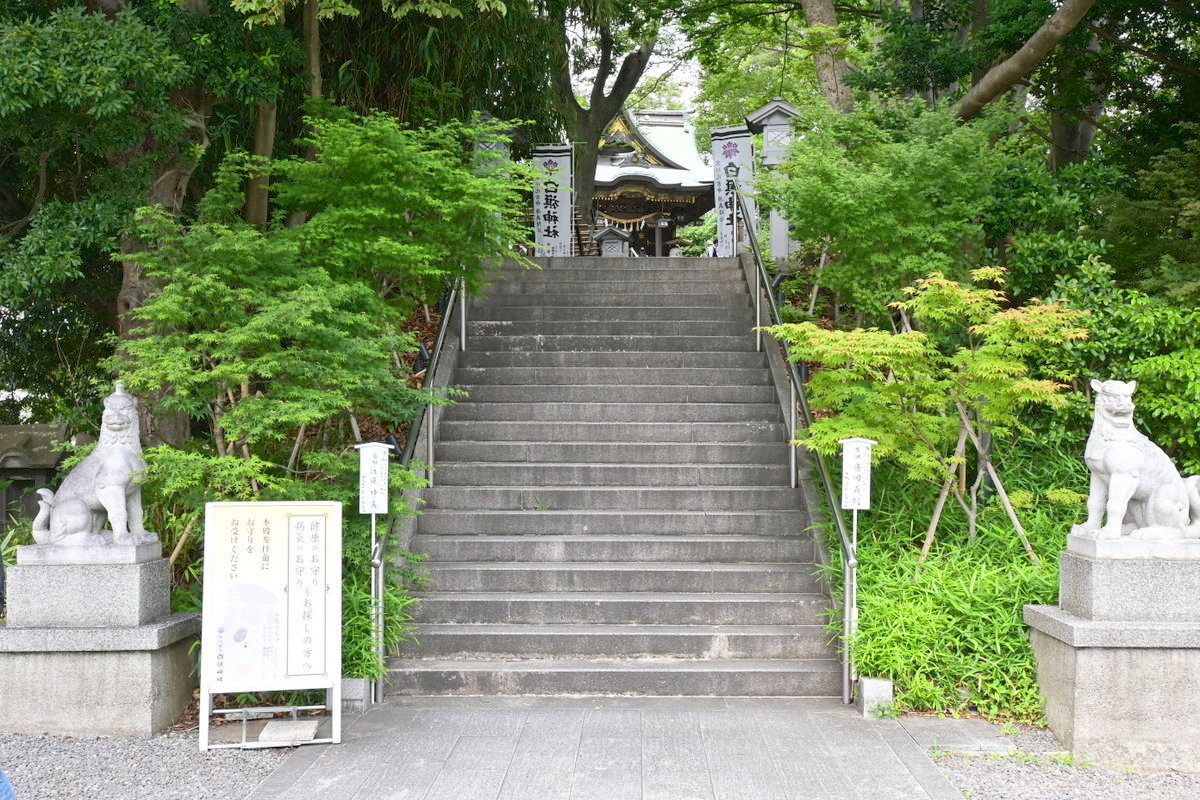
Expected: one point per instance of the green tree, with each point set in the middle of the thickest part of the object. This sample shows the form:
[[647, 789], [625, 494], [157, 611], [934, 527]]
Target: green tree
[[930, 395]]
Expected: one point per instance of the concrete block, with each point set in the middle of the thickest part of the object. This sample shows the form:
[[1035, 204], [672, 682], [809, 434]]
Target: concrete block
[[355, 695], [1121, 706], [96, 693], [1133, 590], [873, 697], [88, 595]]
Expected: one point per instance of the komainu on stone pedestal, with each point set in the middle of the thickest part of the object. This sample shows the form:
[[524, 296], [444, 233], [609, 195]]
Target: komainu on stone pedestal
[[106, 485], [1135, 489]]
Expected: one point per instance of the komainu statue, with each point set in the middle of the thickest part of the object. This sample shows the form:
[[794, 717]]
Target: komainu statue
[[106, 485], [1135, 487]]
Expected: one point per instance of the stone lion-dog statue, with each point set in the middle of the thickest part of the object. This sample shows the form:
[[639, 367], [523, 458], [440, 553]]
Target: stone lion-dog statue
[[1135, 487], [106, 485]]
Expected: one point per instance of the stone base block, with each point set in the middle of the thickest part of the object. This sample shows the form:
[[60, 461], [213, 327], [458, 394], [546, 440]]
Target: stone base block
[[1120, 694], [49, 554], [1133, 590], [1128, 547], [88, 595], [873, 697], [64, 681]]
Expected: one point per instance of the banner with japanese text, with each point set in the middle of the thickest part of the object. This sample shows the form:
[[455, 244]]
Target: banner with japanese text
[[553, 217], [733, 171], [272, 596]]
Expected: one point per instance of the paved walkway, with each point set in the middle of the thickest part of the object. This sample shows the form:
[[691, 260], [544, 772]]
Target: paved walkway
[[612, 748]]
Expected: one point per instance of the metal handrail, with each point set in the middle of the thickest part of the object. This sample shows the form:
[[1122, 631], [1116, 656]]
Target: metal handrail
[[425, 418], [849, 546]]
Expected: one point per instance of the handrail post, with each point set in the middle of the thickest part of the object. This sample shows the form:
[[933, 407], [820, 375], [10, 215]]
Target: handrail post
[[429, 439], [792, 427], [757, 305], [462, 317]]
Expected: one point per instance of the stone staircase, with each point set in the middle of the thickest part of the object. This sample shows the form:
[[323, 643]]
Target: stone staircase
[[611, 512]]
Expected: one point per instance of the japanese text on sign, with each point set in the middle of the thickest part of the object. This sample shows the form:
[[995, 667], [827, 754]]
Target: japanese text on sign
[[373, 477], [856, 473], [272, 596], [553, 217], [733, 170]]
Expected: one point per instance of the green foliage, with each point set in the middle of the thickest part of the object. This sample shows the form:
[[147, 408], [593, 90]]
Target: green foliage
[[700, 235], [896, 192], [949, 631], [1134, 336], [906, 390], [272, 335], [408, 209]]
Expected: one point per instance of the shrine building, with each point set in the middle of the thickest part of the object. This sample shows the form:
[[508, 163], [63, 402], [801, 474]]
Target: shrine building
[[650, 178]]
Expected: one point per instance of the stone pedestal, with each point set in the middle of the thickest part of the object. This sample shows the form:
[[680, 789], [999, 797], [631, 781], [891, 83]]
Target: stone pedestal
[[90, 646], [1118, 658]]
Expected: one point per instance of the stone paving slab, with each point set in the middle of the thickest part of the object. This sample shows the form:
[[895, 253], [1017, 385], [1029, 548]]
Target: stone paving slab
[[956, 735], [616, 748]]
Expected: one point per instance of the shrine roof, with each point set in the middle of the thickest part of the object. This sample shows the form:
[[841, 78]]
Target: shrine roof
[[662, 152]]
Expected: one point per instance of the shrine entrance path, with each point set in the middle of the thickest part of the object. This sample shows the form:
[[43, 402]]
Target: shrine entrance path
[[612, 748]]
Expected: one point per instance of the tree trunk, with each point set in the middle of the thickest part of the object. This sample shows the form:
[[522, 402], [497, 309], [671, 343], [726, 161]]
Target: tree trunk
[[172, 172], [1002, 76], [263, 147], [312, 70], [1071, 133], [832, 70], [587, 125]]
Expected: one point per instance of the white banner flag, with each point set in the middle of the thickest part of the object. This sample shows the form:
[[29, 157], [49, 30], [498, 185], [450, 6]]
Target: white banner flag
[[733, 170], [553, 217]]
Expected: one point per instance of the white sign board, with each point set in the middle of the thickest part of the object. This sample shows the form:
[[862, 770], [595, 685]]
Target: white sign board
[[733, 171], [373, 477], [856, 473], [272, 601], [553, 210], [272, 596]]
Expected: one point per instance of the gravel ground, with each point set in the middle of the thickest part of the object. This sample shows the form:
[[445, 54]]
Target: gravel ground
[[1041, 770], [169, 766]]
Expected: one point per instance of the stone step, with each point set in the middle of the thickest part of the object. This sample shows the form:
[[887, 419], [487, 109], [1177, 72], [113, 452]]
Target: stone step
[[589, 497], [615, 393], [616, 299], [639, 676], [612, 412], [633, 264], [658, 275], [480, 474], [480, 358], [530, 285], [480, 330], [589, 641], [622, 608], [657, 522], [450, 431], [614, 452], [636, 576], [713, 549], [660, 375], [619, 342], [728, 313]]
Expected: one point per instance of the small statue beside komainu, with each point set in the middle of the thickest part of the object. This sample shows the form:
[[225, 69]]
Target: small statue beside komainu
[[1135, 487], [106, 485]]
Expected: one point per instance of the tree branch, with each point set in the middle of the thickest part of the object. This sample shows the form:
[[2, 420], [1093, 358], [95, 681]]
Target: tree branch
[[999, 78], [1166, 61]]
